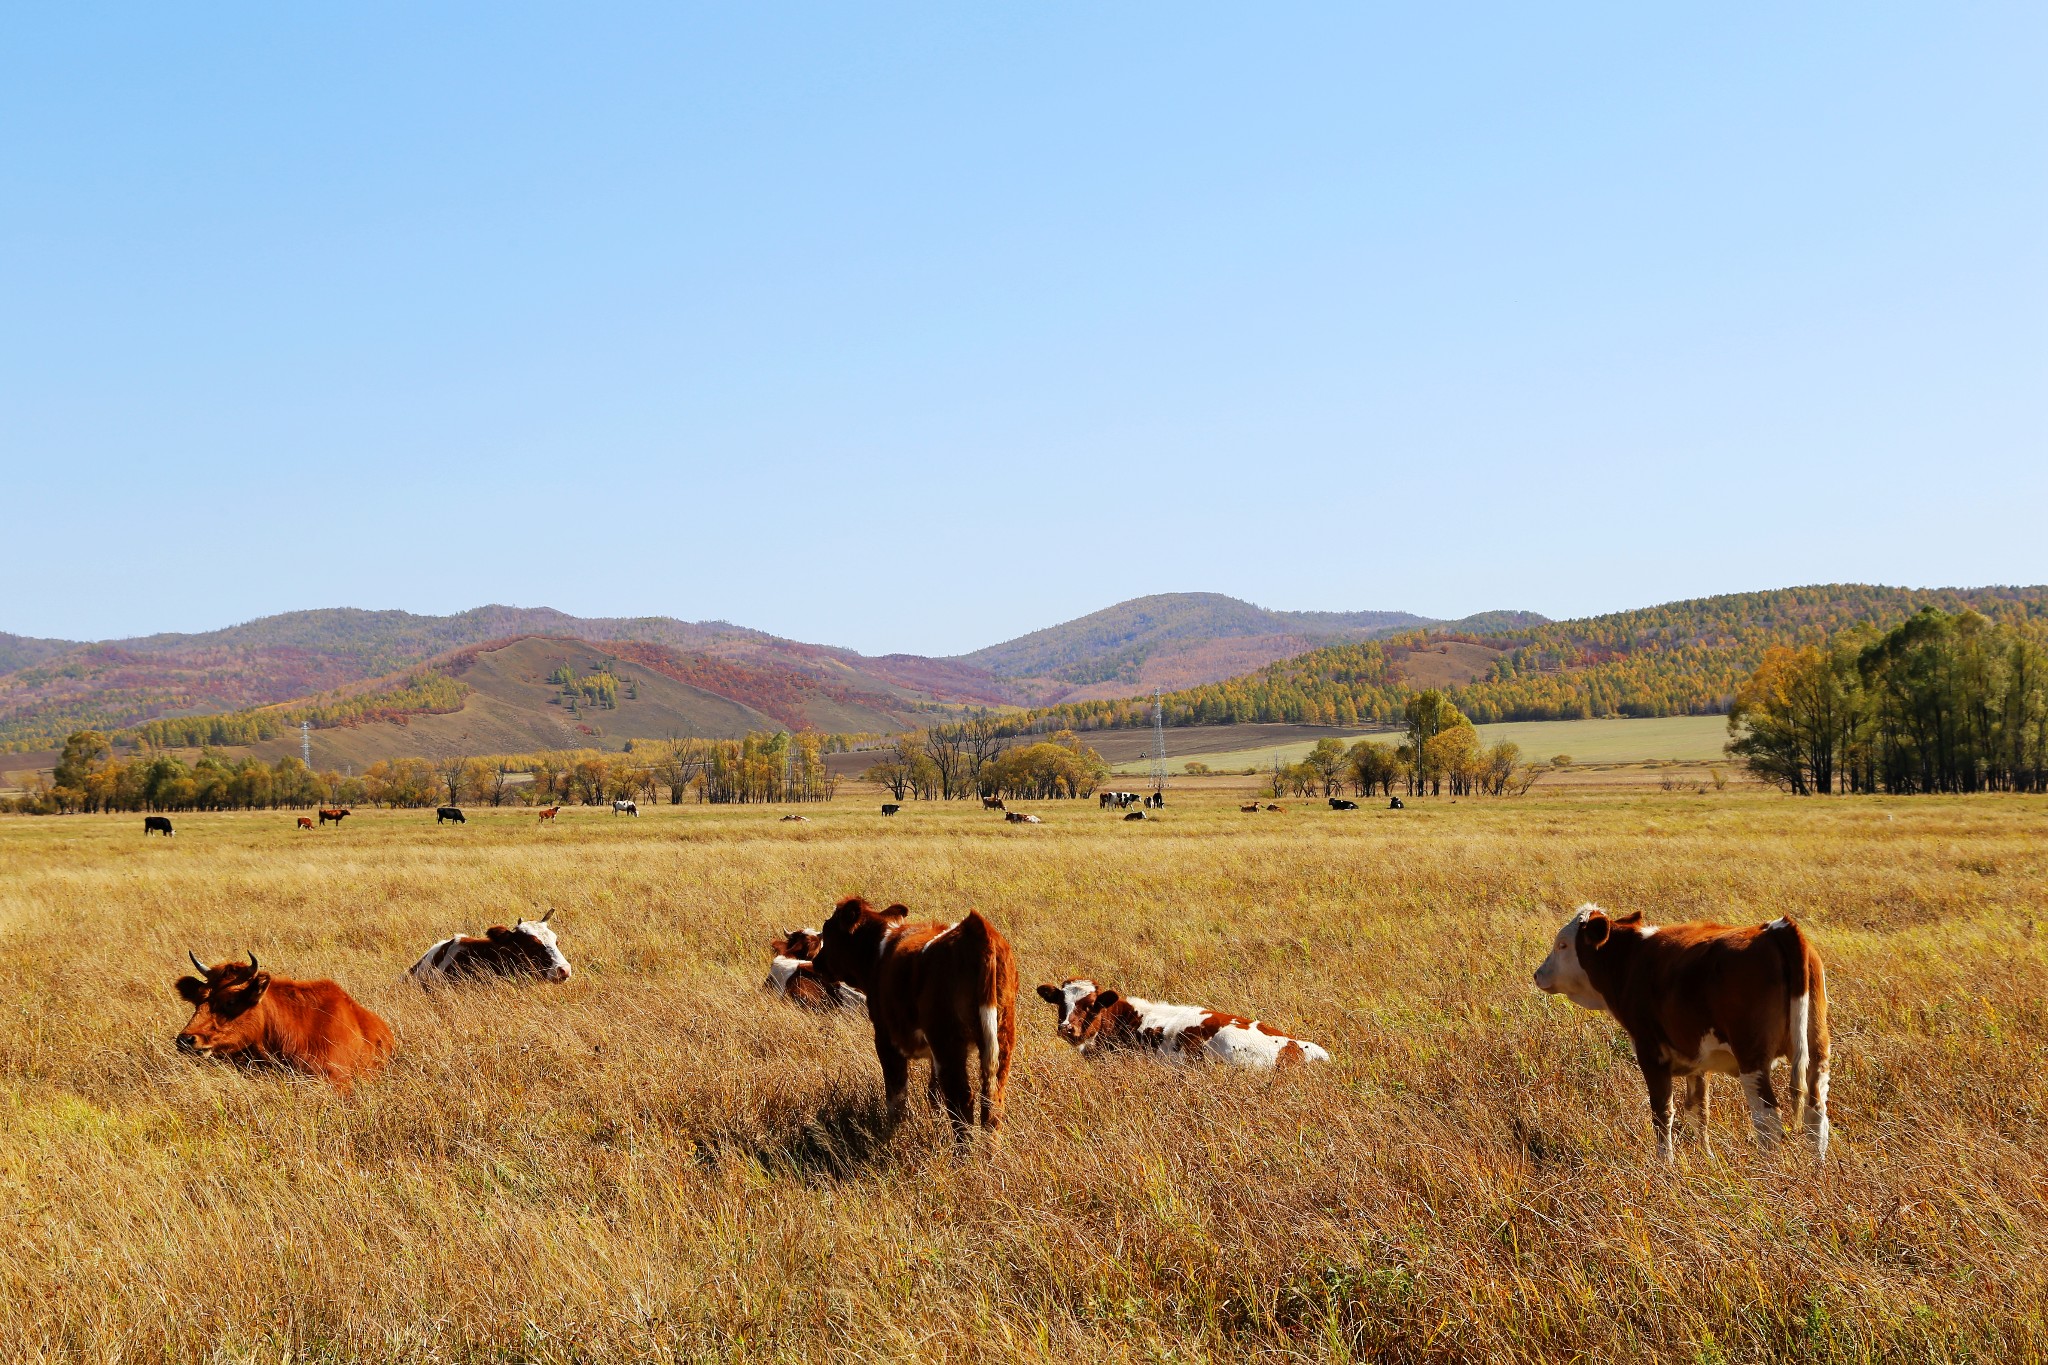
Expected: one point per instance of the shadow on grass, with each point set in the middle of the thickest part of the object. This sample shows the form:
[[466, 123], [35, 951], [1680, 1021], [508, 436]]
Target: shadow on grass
[[845, 1135]]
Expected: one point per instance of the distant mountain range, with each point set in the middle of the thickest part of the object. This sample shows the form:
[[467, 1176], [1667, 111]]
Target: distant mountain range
[[380, 683], [51, 687]]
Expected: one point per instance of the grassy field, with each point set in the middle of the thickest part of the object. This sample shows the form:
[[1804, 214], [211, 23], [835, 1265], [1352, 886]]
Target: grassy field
[[655, 1162], [1682, 738]]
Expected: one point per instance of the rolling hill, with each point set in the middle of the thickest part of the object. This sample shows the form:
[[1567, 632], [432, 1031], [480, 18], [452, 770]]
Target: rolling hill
[[1680, 658], [1177, 640], [301, 655], [50, 687]]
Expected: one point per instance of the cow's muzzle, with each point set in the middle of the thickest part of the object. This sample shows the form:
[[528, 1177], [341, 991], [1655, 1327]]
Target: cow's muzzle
[[187, 1043]]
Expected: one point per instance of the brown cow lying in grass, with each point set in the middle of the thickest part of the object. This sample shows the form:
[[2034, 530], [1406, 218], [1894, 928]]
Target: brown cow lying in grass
[[245, 1015], [1099, 1022], [792, 975], [933, 990]]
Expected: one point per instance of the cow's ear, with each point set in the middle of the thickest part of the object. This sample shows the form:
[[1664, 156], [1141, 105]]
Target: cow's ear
[[847, 913], [192, 989], [1593, 930], [780, 946], [497, 933], [258, 984], [1104, 999], [1632, 920], [896, 912], [1051, 995]]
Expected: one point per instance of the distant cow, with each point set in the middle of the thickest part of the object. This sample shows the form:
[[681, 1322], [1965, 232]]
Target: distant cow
[[891, 808], [1249, 809], [933, 990], [450, 813], [1701, 998], [1019, 818], [1157, 800], [305, 822], [793, 976], [528, 948], [626, 808], [157, 824], [1098, 1022], [243, 1014], [548, 814], [787, 818], [1395, 804], [1135, 815], [333, 817], [992, 803], [1273, 807], [1339, 803]]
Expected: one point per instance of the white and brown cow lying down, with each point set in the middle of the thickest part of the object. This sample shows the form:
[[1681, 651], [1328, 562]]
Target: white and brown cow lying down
[[792, 976], [1700, 998], [1098, 1022], [528, 948]]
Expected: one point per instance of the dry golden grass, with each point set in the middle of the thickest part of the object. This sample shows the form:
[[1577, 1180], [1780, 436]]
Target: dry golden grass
[[656, 1162]]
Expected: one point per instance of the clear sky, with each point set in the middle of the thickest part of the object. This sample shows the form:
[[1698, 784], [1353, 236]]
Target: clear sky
[[914, 328]]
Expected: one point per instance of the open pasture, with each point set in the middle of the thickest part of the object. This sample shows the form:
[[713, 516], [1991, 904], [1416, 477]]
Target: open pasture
[[654, 1161], [1692, 739]]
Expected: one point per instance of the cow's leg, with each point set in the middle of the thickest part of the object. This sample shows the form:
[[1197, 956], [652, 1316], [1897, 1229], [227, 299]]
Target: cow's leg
[[949, 1064], [1763, 1101], [895, 1077], [1694, 1103], [1657, 1079]]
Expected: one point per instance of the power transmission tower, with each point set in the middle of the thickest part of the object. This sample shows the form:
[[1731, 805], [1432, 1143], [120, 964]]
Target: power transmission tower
[[306, 743], [1158, 743]]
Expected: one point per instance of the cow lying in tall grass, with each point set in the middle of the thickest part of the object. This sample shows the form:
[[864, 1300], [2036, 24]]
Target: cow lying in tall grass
[[792, 975], [241, 1013], [1099, 1022]]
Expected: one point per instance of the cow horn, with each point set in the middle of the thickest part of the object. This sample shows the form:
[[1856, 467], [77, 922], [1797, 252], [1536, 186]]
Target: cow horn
[[195, 961], [548, 916], [252, 962]]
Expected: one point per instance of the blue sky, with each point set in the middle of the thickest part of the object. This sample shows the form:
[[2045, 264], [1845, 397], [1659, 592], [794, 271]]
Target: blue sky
[[914, 328]]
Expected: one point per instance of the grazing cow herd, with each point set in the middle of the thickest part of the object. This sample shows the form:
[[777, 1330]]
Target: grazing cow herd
[[1693, 999]]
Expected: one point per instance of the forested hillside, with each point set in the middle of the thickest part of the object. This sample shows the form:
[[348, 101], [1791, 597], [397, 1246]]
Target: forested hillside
[[1682, 658], [307, 658]]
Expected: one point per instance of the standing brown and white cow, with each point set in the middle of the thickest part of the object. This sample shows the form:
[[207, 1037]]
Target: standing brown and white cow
[[1701, 998], [933, 990], [243, 1014]]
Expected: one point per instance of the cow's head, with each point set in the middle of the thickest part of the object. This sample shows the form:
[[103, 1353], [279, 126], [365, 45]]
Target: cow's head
[[1567, 970], [1089, 1015], [532, 945], [224, 999], [852, 940], [801, 944], [1066, 995]]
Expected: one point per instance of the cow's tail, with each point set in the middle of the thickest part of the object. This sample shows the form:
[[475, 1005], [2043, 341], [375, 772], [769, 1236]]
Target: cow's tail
[[979, 937], [1792, 952]]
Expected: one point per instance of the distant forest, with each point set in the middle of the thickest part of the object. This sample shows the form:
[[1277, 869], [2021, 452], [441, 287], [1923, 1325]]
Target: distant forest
[[1683, 658]]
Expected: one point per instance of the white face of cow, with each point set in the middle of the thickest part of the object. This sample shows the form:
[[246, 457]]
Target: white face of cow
[[538, 931], [1562, 973], [1066, 995]]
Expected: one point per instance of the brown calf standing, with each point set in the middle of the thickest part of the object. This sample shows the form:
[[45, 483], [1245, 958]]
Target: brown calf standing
[[933, 990], [1700, 998]]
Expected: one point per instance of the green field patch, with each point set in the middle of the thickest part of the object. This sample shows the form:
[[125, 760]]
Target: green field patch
[[1663, 738]]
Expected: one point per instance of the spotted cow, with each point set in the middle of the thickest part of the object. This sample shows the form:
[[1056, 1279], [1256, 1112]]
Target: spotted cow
[[1098, 1022]]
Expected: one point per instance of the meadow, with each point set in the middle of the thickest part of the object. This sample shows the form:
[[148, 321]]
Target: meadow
[[1687, 739], [657, 1162]]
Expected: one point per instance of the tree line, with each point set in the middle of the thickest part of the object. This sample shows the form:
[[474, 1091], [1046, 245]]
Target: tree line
[[1441, 751], [780, 767], [1943, 702]]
